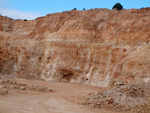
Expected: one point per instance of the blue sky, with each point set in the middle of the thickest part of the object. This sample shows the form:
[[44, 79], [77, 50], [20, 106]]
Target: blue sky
[[30, 9]]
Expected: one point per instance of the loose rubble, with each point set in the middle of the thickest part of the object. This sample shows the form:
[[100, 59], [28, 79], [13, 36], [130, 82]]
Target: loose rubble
[[132, 97], [6, 85]]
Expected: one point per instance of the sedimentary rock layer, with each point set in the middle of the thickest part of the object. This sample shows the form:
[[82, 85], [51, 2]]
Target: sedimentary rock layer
[[93, 47]]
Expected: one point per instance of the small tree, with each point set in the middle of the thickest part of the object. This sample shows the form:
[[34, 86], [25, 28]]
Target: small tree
[[75, 9], [118, 6]]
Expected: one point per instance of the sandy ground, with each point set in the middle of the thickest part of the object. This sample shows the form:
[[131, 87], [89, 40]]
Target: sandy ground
[[58, 101]]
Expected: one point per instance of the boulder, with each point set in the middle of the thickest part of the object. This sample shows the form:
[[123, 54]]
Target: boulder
[[3, 91], [12, 87], [48, 90], [2, 86], [23, 88], [110, 100], [119, 83]]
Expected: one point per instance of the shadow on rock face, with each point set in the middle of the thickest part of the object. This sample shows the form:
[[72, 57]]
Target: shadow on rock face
[[64, 75]]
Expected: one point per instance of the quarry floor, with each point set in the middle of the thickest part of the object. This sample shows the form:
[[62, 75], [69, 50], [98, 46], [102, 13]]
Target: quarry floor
[[60, 100]]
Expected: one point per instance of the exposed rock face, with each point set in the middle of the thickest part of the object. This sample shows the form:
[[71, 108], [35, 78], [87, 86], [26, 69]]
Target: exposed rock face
[[94, 47]]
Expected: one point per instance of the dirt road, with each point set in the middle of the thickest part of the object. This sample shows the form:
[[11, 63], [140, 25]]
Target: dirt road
[[50, 102]]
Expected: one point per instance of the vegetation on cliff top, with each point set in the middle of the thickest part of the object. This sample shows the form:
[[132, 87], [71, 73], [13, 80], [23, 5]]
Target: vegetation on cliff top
[[118, 6]]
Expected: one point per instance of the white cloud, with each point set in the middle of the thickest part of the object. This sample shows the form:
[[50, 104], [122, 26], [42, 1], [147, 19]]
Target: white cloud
[[15, 14]]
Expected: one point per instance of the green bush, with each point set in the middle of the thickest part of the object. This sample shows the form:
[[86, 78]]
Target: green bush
[[118, 6], [75, 9]]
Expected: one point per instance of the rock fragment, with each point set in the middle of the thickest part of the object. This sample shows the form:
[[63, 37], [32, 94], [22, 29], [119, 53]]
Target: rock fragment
[[48, 90], [119, 83], [23, 88], [3, 91]]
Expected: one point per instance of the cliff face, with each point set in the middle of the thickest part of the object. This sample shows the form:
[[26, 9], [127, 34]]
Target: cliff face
[[93, 47]]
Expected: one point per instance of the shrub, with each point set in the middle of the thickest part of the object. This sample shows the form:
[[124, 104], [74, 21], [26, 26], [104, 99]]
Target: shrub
[[75, 9], [118, 6]]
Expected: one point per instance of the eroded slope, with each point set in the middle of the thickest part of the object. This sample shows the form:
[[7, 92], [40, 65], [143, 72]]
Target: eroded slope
[[94, 47]]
